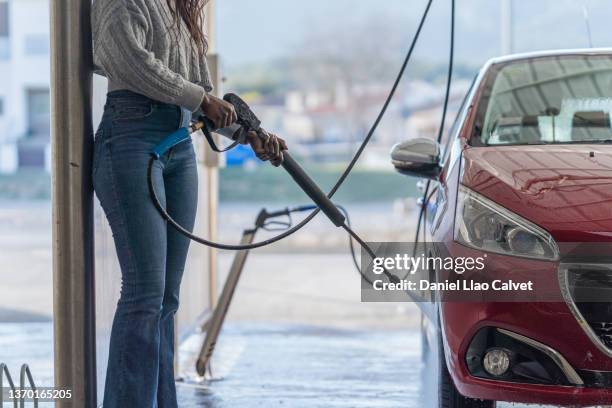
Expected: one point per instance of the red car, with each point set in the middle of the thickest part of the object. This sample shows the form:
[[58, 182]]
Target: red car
[[525, 178]]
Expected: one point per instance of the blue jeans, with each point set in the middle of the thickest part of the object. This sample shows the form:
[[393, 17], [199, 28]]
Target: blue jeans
[[151, 253]]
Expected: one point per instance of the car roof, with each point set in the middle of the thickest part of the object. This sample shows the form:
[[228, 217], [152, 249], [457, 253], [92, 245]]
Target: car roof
[[549, 53], [537, 54]]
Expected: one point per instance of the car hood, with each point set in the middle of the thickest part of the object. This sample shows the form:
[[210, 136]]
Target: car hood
[[566, 189]]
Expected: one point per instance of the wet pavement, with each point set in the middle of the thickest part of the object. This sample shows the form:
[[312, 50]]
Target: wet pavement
[[269, 365], [273, 365], [305, 366]]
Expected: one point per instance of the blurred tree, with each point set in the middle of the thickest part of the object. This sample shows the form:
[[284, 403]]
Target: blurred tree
[[370, 48], [353, 63]]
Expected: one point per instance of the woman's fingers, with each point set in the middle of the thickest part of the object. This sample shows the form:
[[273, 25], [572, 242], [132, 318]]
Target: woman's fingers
[[219, 111], [228, 118], [283, 144], [267, 146], [272, 143], [234, 115], [218, 119], [277, 149], [229, 114], [257, 146], [271, 146], [277, 160]]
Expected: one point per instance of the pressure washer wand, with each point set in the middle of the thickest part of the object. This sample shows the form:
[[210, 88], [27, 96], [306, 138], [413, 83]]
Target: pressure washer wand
[[247, 119], [249, 122], [312, 190]]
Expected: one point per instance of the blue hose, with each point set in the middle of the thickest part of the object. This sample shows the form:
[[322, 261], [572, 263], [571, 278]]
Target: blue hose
[[177, 137]]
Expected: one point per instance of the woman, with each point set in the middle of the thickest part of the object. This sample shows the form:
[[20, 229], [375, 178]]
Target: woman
[[153, 54]]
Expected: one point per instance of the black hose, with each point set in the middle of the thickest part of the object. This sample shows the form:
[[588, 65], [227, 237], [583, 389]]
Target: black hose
[[392, 278], [350, 240], [449, 80], [345, 174]]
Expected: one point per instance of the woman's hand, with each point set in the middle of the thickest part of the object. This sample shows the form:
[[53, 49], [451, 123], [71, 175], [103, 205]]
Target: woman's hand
[[267, 146], [220, 112]]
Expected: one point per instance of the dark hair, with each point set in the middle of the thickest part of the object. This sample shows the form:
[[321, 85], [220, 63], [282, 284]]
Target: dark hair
[[192, 14]]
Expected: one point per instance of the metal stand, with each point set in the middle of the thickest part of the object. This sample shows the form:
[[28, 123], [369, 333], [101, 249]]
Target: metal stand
[[218, 317], [216, 321]]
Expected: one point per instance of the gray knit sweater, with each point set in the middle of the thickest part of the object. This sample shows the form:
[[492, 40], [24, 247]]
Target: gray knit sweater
[[135, 47]]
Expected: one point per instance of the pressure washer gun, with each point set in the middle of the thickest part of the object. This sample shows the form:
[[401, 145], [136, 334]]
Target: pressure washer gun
[[248, 122]]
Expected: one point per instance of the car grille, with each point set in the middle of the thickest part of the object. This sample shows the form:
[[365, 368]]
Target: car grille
[[603, 330], [587, 288]]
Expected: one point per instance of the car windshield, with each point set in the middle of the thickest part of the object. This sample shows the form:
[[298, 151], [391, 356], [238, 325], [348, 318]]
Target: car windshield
[[560, 99]]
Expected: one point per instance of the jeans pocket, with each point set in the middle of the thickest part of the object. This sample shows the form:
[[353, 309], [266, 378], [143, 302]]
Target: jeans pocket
[[132, 112]]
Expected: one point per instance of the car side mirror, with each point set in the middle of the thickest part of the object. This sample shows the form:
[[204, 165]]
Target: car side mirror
[[417, 157]]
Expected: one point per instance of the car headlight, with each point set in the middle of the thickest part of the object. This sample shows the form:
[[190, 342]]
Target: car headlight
[[482, 224]]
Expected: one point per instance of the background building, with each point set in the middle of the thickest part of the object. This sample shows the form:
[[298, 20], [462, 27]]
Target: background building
[[24, 85]]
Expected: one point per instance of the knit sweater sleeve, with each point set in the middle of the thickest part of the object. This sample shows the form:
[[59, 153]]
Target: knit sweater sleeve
[[119, 49]]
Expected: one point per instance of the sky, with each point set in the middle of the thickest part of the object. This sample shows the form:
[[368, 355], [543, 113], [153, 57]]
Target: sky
[[251, 31]]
